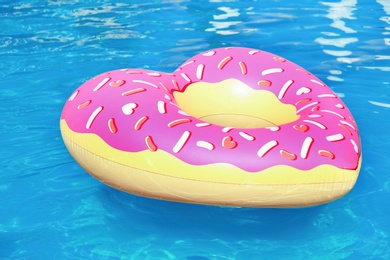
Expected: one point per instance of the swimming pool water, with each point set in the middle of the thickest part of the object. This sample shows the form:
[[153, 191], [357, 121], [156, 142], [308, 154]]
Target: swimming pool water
[[52, 209]]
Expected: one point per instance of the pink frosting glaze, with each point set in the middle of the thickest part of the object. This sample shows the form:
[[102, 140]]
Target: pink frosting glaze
[[134, 110]]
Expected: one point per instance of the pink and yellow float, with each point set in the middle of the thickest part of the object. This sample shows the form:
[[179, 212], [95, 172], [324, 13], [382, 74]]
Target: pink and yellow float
[[231, 126]]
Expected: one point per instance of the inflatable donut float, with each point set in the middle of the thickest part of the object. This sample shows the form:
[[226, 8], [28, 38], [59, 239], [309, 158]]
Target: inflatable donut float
[[231, 126]]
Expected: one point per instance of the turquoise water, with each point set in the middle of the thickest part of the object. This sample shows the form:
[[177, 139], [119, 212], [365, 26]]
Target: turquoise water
[[52, 209]]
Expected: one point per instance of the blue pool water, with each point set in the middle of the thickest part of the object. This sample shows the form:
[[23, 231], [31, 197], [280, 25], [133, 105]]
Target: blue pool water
[[52, 209]]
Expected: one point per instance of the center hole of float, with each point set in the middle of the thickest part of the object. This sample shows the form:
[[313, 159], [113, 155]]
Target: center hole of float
[[233, 103]]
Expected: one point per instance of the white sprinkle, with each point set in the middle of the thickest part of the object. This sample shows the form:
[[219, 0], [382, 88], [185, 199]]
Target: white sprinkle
[[133, 72], [185, 64], [128, 109], [339, 106], [285, 88], [204, 144], [355, 147], [199, 71], [266, 148], [74, 95], [317, 82], [161, 106], [335, 138], [348, 124], [314, 116], [176, 105], [306, 147], [303, 90], [210, 53], [167, 97], [202, 124], [308, 105], [227, 129], [270, 71], [253, 52], [315, 123], [181, 112], [332, 112], [145, 82], [154, 74], [185, 76], [246, 136], [101, 84], [273, 128], [182, 141], [93, 116], [326, 95]]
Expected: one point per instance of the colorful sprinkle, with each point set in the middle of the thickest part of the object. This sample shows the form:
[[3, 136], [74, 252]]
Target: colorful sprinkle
[[317, 82], [145, 83], [206, 145], [181, 142], [117, 83], [93, 116], [202, 124], [307, 106], [133, 91], [302, 128], [247, 136], [227, 129], [271, 71], [112, 126], [264, 83], [133, 72], [175, 84], [223, 62], [162, 107], [303, 71], [266, 148], [178, 122], [327, 96], [243, 67], [355, 147], [327, 154], [284, 89], [303, 90], [85, 104], [345, 128], [348, 124], [128, 109], [228, 142], [332, 112], [306, 147], [315, 123], [185, 77], [273, 128], [209, 53], [288, 155], [335, 138], [74, 95], [138, 125], [305, 100], [187, 63], [200, 71], [181, 112], [154, 74], [150, 144], [101, 84], [252, 52], [279, 59]]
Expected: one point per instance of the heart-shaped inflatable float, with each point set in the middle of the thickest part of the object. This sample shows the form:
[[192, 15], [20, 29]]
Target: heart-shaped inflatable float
[[231, 126]]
